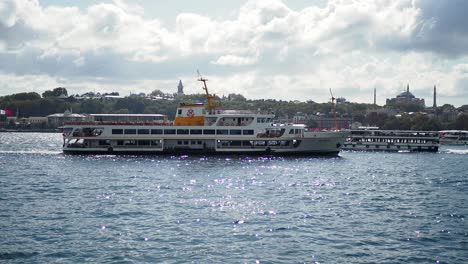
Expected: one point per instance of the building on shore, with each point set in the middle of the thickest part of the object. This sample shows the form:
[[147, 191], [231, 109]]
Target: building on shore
[[405, 98], [3, 118], [322, 121], [382, 111], [329, 122], [180, 88], [57, 120]]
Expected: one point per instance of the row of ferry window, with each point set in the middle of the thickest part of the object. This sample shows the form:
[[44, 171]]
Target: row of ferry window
[[264, 120], [421, 141], [182, 131]]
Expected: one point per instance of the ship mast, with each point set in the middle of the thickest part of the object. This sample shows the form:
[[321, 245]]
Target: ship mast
[[209, 97]]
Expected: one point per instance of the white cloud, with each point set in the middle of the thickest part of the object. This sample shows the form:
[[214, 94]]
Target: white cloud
[[235, 60], [350, 46]]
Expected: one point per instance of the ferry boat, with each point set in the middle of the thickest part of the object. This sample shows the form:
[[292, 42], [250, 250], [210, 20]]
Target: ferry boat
[[202, 130], [454, 137], [392, 140]]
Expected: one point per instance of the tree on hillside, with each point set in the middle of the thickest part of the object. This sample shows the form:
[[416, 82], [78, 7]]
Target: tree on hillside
[[157, 92], [21, 97], [461, 123], [236, 97], [408, 107], [134, 105], [121, 111], [55, 93], [376, 119], [92, 107]]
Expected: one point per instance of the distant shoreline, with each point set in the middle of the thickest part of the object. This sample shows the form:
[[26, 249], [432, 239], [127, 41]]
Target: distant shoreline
[[29, 131]]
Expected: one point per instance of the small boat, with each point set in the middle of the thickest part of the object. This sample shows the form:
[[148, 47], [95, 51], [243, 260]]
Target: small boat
[[392, 140], [453, 137], [200, 129]]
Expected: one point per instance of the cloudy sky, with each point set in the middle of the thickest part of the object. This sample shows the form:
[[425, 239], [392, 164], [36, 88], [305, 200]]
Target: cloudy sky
[[281, 49]]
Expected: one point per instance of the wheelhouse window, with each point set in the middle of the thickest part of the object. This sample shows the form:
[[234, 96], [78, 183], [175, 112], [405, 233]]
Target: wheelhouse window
[[143, 131], [117, 131], [130, 131]]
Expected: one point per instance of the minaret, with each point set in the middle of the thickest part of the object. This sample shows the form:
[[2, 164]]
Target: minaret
[[375, 96], [435, 98], [407, 91], [180, 88]]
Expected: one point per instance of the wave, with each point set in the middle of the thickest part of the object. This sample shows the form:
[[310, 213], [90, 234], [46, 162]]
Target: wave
[[456, 151], [41, 152]]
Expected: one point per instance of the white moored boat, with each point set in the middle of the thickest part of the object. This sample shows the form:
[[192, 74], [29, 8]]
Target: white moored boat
[[392, 140], [197, 129]]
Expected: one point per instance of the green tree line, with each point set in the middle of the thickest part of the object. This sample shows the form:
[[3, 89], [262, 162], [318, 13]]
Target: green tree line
[[32, 104]]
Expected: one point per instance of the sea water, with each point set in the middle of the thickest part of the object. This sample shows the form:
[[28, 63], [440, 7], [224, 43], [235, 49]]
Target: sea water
[[359, 207]]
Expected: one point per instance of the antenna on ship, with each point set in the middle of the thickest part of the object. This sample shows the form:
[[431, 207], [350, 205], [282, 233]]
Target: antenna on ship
[[334, 110], [209, 98]]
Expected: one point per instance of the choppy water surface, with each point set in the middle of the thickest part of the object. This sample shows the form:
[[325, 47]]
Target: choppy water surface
[[359, 207]]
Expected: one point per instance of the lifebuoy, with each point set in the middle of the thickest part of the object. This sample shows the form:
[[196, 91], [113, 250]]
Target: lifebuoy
[[190, 113]]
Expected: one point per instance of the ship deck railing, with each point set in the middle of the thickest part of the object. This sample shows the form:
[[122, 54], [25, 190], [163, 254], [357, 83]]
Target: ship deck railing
[[120, 123], [236, 112]]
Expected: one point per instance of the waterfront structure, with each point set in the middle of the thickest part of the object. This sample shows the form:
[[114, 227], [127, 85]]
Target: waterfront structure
[[34, 121], [322, 121], [200, 129], [384, 111], [301, 118], [58, 119], [3, 118], [405, 98], [331, 123]]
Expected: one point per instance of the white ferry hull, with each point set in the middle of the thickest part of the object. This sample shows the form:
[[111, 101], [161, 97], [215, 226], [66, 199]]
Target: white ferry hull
[[306, 147], [389, 147], [326, 143]]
